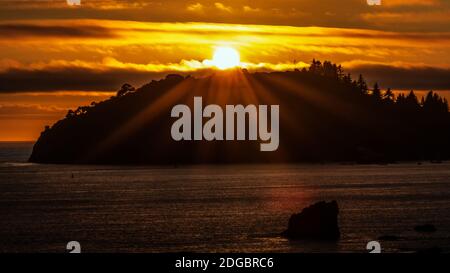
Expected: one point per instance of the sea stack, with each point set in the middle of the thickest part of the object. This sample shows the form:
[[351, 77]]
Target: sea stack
[[316, 222]]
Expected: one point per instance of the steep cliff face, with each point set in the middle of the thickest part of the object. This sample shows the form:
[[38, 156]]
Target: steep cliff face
[[322, 118]]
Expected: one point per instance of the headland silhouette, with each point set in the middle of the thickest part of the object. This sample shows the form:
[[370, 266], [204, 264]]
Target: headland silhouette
[[325, 116]]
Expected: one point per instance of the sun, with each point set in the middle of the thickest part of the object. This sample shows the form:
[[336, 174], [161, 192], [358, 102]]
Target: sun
[[226, 57]]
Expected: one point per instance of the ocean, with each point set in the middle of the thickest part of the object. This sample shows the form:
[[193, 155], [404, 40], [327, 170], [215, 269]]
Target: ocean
[[215, 208]]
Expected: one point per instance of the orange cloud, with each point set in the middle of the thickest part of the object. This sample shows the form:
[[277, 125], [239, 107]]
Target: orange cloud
[[222, 7], [197, 7], [250, 9], [118, 51]]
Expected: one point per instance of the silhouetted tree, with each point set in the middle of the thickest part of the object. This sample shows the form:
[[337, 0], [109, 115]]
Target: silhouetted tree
[[362, 85], [314, 67], [70, 113], [347, 79], [126, 88], [388, 96], [433, 103], [340, 72], [376, 92], [400, 98], [330, 70], [411, 104]]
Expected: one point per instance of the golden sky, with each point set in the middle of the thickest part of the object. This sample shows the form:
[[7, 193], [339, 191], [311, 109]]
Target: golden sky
[[54, 56]]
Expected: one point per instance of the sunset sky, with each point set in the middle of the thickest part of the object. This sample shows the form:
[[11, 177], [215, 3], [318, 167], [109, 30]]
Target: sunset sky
[[55, 56]]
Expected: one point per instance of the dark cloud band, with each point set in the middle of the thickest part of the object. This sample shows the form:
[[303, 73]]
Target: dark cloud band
[[25, 30], [17, 80], [418, 78], [81, 79]]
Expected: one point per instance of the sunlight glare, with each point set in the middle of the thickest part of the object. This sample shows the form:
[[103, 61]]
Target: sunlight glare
[[226, 57]]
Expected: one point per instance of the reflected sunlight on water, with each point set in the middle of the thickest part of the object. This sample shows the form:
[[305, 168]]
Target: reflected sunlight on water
[[217, 208]]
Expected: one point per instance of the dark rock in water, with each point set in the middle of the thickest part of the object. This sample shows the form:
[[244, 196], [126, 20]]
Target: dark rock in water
[[389, 238], [318, 222], [425, 228]]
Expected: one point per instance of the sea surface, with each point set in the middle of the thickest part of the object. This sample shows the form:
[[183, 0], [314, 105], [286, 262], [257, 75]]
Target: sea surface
[[225, 208]]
